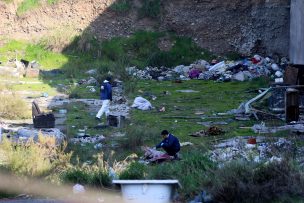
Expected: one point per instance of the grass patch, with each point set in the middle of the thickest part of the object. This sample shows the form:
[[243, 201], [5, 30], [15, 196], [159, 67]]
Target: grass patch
[[121, 6], [193, 167], [23, 50], [96, 175], [252, 182], [142, 50], [135, 171], [209, 99], [52, 1], [59, 38], [150, 9], [27, 5], [34, 159], [7, 1], [138, 134], [13, 107]]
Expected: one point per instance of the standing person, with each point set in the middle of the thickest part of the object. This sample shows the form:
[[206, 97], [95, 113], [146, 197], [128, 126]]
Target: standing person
[[170, 143], [106, 97]]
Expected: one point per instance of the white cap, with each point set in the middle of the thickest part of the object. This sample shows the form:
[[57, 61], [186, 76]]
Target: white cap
[[105, 81]]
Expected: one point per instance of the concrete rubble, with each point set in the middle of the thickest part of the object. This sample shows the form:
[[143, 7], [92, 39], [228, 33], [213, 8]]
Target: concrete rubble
[[242, 70], [23, 68], [265, 149], [23, 134]]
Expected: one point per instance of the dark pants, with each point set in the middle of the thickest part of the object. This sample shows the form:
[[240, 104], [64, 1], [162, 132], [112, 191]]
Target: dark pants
[[171, 151]]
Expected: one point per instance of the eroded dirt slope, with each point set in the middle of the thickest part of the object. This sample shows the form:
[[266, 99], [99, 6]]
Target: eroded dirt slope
[[246, 26]]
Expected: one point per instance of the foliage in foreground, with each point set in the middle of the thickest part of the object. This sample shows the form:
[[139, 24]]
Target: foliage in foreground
[[253, 182], [13, 107], [34, 159], [190, 171], [93, 175]]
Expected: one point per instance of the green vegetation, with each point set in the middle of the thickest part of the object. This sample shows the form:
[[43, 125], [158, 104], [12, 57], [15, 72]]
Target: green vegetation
[[32, 159], [58, 38], [190, 171], [20, 49], [121, 6], [27, 5], [13, 107], [135, 171], [183, 112], [208, 99], [253, 182], [150, 9], [7, 1], [142, 50], [96, 175]]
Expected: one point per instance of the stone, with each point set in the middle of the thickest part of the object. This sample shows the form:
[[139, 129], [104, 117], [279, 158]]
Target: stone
[[91, 72], [78, 189], [240, 76], [179, 69], [24, 134], [278, 74], [161, 78], [275, 67], [32, 73], [34, 65], [92, 81], [10, 71]]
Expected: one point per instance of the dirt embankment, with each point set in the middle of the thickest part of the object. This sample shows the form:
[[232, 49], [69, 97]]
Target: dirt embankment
[[245, 26]]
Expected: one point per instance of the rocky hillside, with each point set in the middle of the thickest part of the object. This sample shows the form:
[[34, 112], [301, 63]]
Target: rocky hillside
[[245, 26]]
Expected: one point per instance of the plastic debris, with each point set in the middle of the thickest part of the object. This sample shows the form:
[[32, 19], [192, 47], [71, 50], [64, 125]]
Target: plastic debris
[[78, 189], [142, 104]]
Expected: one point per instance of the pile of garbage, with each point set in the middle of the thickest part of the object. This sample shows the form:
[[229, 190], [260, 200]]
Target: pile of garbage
[[242, 70], [262, 149], [87, 139]]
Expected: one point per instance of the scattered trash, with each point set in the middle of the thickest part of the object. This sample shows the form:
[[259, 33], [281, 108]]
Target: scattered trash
[[264, 149], [91, 72], [81, 138], [142, 104], [98, 146], [203, 197], [24, 134], [45, 94], [187, 91], [262, 128], [212, 123], [224, 71], [183, 144], [162, 109], [62, 111], [212, 131], [78, 189]]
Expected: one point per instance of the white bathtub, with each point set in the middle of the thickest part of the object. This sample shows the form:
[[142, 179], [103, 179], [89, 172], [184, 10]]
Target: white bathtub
[[147, 191]]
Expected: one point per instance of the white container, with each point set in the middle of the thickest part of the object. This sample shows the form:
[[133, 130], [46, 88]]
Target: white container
[[147, 191], [63, 111]]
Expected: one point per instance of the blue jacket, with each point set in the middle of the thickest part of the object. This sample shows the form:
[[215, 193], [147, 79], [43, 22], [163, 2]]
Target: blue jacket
[[106, 92], [171, 143]]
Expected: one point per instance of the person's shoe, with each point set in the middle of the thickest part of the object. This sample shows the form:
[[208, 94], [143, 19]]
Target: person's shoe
[[177, 157], [98, 119]]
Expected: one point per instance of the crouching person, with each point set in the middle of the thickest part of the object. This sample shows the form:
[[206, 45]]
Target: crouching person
[[170, 144]]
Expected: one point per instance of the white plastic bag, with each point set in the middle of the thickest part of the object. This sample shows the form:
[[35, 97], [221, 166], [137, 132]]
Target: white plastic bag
[[141, 103]]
